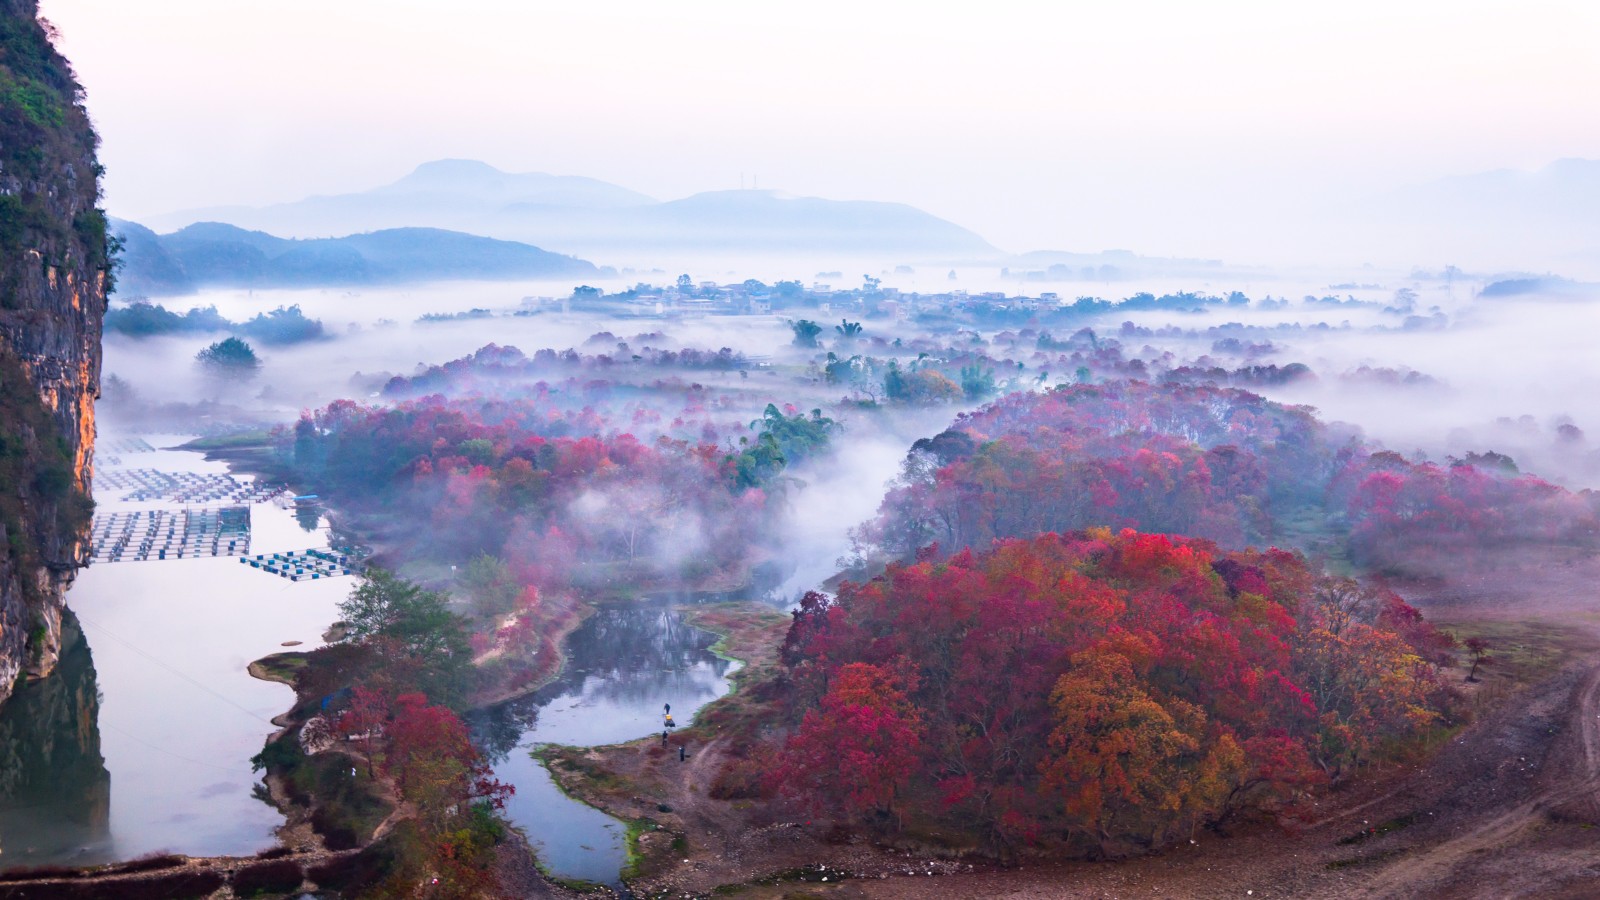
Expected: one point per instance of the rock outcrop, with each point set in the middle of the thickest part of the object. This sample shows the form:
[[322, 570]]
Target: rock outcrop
[[54, 275]]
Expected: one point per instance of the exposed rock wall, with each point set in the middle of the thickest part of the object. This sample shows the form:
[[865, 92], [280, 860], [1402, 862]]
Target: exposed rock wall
[[54, 275]]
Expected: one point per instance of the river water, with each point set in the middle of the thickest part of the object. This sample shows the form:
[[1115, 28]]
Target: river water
[[625, 663], [143, 740]]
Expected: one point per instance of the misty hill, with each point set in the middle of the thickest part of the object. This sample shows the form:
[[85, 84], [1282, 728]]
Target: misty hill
[[1546, 286], [213, 254], [587, 216], [1565, 190], [1116, 265], [1502, 217], [751, 221], [454, 180]]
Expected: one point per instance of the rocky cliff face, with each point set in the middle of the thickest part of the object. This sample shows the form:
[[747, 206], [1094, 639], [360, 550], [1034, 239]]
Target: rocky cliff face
[[54, 269]]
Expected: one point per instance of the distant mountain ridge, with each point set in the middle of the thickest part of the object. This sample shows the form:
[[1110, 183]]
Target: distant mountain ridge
[[214, 254], [1548, 217], [589, 217], [1566, 189], [479, 179]]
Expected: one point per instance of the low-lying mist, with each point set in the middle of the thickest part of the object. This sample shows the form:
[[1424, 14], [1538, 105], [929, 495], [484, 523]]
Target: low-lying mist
[[1421, 366]]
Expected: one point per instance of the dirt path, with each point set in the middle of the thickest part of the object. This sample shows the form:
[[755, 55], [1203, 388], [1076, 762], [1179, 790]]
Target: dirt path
[[1566, 791], [686, 786]]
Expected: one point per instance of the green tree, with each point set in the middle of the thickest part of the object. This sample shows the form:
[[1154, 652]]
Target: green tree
[[839, 371], [419, 643], [232, 359], [758, 463], [797, 436], [805, 332], [894, 382], [976, 381], [284, 325], [490, 586]]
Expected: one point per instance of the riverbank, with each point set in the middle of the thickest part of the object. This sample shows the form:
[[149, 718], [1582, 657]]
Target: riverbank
[[692, 830], [685, 835], [516, 661], [336, 806], [1401, 823], [549, 658]]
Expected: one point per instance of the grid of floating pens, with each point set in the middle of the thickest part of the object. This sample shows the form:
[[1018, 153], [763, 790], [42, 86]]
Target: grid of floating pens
[[308, 565], [171, 534], [184, 487], [125, 445], [106, 450]]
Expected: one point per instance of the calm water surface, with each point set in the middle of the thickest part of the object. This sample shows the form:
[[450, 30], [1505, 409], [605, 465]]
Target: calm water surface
[[143, 741], [624, 664]]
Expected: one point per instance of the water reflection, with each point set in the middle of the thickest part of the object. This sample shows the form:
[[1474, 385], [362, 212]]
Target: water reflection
[[166, 706], [624, 663], [55, 792]]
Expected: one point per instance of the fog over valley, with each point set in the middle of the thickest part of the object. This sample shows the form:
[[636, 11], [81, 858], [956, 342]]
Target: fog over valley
[[843, 451]]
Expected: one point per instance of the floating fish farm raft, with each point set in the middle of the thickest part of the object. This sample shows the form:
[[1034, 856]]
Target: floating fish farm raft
[[307, 565], [170, 534], [127, 445], [184, 487], [106, 450]]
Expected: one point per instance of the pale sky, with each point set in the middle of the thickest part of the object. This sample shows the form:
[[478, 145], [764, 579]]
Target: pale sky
[[1164, 127]]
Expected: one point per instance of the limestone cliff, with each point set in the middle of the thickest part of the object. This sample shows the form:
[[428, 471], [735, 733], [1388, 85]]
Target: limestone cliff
[[54, 268]]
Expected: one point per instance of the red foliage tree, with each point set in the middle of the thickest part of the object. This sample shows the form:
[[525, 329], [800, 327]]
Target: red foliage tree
[[856, 750], [1097, 689]]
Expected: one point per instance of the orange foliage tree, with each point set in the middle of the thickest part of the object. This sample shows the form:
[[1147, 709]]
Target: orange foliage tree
[[1094, 690]]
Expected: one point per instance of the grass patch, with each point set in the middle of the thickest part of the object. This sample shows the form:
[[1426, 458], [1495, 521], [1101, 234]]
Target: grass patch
[[1522, 651], [749, 633], [633, 867], [239, 440], [652, 849], [280, 667], [574, 763], [1318, 533]]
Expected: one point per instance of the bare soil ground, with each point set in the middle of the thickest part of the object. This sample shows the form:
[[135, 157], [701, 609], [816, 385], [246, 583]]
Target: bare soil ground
[[1509, 807]]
